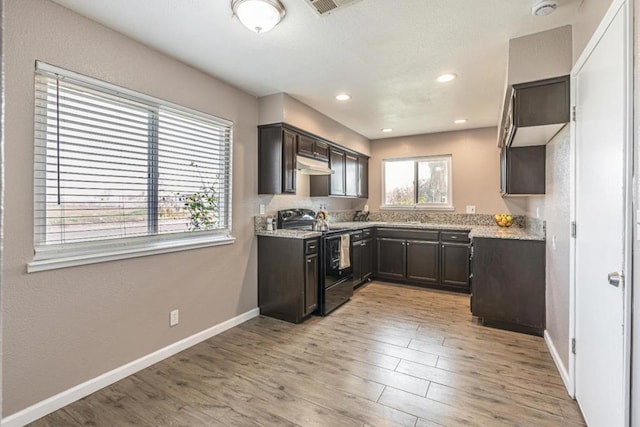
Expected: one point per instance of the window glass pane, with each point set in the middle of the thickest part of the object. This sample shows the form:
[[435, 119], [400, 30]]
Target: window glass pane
[[433, 182], [192, 159], [398, 182], [94, 175]]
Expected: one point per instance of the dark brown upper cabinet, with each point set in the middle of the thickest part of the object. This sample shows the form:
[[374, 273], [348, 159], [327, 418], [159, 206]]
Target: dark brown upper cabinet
[[313, 148], [280, 144], [337, 163], [537, 111], [351, 175], [523, 170], [277, 149], [363, 177]]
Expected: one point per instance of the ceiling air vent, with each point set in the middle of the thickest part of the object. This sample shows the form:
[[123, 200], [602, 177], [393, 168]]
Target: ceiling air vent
[[323, 7]]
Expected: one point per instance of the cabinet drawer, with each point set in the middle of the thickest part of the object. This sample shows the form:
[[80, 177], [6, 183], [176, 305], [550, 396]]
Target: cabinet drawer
[[310, 246], [356, 236], [455, 236], [367, 233], [406, 233]]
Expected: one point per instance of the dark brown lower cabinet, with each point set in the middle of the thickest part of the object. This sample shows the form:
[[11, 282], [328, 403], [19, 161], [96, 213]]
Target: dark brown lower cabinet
[[311, 284], [423, 257], [391, 258], [366, 248], [288, 277], [362, 255], [508, 284], [422, 261], [455, 264]]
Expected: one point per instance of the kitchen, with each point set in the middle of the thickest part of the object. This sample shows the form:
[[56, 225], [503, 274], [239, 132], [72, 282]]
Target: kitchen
[[94, 319]]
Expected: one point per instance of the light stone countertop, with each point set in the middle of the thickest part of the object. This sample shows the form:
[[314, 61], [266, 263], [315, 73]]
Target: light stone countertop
[[476, 231]]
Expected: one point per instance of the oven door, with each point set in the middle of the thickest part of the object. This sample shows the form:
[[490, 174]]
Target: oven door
[[337, 284], [332, 272]]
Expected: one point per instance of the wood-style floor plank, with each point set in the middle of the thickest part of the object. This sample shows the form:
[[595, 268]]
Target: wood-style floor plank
[[393, 356]]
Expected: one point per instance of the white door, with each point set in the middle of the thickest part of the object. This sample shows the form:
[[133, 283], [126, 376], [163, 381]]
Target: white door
[[601, 212]]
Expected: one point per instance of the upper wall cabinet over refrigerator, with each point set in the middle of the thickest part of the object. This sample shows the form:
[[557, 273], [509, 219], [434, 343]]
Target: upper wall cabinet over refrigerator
[[536, 112]]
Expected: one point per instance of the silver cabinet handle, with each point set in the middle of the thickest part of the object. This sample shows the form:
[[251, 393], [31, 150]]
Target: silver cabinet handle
[[615, 278], [309, 261]]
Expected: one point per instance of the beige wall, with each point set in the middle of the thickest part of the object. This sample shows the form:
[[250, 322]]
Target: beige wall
[[556, 213], [587, 20], [539, 56], [281, 107], [67, 326], [476, 167]]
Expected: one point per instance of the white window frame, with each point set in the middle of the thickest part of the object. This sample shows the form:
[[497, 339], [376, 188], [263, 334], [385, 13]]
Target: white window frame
[[419, 206], [47, 257]]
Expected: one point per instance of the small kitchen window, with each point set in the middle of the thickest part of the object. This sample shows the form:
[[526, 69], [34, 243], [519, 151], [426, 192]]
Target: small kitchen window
[[121, 174], [417, 183]]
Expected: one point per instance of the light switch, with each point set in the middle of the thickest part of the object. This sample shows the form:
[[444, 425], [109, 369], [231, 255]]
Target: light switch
[[471, 209], [261, 209]]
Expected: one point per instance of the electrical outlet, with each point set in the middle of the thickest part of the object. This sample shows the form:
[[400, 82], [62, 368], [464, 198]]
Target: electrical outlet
[[471, 209], [261, 209], [174, 317]]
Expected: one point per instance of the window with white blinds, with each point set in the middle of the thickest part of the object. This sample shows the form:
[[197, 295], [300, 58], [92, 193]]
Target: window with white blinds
[[113, 166]]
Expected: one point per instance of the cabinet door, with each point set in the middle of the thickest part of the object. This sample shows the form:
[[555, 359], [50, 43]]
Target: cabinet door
[[289, 162], [356, 257], [509, 282], [351, 175], [367, 258], [363, 177], [391, 258], [422, 261], [322, 150], [311, 284], [526, 170], [306, 146], [337, 178], [543, 103], [455, 265]]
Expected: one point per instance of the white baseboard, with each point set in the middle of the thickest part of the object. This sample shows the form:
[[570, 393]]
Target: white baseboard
[[66, 397], [562, 370]]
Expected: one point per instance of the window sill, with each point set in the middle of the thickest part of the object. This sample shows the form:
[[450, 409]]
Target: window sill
[[418, 208], [151, 248]]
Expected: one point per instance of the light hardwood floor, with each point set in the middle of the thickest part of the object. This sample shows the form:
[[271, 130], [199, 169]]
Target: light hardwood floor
[[392, 356]]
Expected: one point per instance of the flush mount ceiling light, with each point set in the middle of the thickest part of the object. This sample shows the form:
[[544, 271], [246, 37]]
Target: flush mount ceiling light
[[343, 97], [544, 7], [447, 77], [258, 15], [460, 121], [386, 130]]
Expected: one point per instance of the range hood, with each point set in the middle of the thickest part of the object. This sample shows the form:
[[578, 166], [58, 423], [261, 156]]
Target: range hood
[[308, 166]]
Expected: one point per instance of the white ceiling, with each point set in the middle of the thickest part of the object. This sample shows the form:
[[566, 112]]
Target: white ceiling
[[385, 53]]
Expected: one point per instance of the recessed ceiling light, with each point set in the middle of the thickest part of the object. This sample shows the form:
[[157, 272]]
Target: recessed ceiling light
[[447, 77], [343, 97], [460, 121], [386, 130]]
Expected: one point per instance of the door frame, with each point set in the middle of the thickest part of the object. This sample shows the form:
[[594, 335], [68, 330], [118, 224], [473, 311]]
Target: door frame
[[628, 231]]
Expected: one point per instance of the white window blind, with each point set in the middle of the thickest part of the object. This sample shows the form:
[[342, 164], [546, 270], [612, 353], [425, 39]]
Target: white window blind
[[113, 166]]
